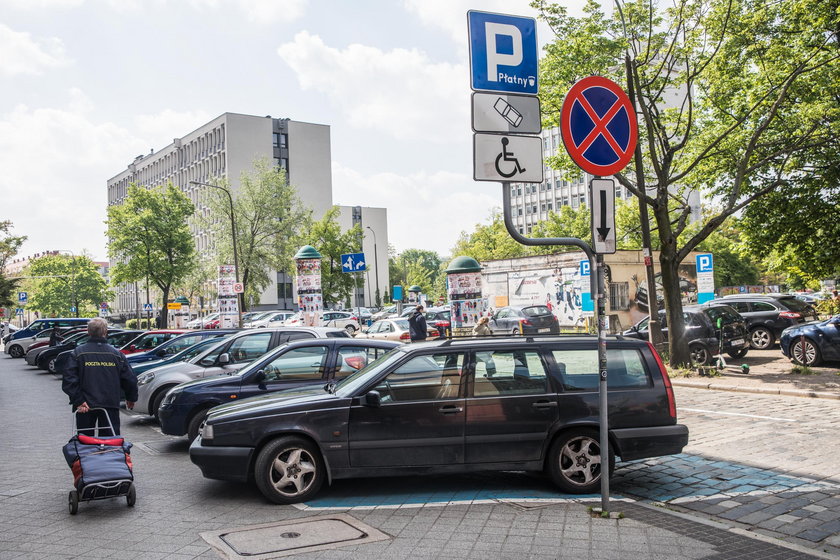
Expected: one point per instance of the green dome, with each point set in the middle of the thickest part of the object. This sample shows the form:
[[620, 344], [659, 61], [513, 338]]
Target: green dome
[[182, 300], [463, 264], [307, 252], [415, 288]]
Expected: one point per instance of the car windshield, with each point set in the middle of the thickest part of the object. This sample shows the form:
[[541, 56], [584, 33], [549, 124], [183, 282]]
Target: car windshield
[[194, 350], [794, 304], [351, 384], [401, 324], [536, 310]]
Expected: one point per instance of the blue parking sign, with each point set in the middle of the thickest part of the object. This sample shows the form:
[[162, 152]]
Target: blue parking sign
[[584, 268], [705, 263], [503, 52], [23, 297]]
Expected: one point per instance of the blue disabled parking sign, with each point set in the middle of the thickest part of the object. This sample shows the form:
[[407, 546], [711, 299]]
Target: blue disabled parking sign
[[503, 52]]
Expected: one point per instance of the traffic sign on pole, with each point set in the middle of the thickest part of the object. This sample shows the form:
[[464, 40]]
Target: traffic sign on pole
[[598, 126], [503, 52], [19, 311], [353, 262], [602, 192], [147, 307], [507, 158], [23, 297], [506, 113]]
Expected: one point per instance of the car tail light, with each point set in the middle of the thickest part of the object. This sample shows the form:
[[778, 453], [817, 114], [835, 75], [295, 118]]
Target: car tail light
[[433, 332], [669, 390], [354, 319], [441, 324], [790, 315], [405, 336], [524, 322], [355, 362]]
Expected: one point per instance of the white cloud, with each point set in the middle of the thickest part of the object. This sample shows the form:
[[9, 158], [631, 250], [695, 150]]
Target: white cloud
[[258, 11], [56, 162], [425, 210], [400, 91], [158, 130], [20, 53]]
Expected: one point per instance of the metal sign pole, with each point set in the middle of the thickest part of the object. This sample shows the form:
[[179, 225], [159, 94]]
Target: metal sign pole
[[596, 280]]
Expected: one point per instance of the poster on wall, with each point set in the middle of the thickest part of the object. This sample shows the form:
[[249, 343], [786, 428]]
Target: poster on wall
[[228, 302], [310, 299], [467, 305]]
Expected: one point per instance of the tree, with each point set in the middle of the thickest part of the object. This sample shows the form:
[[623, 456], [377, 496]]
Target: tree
[[9, 245], [269, 219], [418, 267], [325, 235], [60, 283], [736, 97], [489, 242], [150, 239], [566, 222]]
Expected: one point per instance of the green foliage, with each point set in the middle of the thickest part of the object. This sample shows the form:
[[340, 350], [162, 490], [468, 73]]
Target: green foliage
[[803, 370], [828, 307], [9, 245], [270, 219], [144, 324], [489, 242], [325, 235], [66, 281], [734, 263], [738, 99], [150, 239], [568, 222], [419, 267]]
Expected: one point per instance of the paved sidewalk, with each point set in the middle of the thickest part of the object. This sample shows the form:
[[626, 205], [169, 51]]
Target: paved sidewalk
[[770, 374], [485, 517]]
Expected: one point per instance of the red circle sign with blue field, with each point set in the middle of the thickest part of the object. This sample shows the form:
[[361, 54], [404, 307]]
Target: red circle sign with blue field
[[598, 126]]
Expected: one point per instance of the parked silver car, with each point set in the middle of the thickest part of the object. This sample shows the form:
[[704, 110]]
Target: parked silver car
[[228, 356]]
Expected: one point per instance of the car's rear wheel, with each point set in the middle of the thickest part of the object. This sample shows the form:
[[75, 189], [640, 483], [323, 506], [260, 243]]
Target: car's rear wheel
[[761, 338], [51, 365], [515, 332], [738, 353], [351, 330], [289, 470], [805, 352], [575, 462], [16, 351], [700, 354]]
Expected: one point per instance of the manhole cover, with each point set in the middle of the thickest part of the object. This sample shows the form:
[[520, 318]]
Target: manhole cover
[[273, 540]]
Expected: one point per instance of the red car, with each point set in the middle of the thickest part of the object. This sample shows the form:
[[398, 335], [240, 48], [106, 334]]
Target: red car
[[149, 340]]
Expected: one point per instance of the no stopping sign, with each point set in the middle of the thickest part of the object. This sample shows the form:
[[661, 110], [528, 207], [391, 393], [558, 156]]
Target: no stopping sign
[[598, 126]]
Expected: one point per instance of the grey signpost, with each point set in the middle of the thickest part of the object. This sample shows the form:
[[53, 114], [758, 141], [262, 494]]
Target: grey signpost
[[507, 148]]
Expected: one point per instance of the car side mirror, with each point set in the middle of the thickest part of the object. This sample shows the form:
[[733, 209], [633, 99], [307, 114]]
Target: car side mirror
[[365, 330], [161, 352], [224, 358], [373, 399]]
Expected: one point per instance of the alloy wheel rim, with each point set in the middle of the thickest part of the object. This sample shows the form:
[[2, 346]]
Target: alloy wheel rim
[[293, 472], [580, 461]]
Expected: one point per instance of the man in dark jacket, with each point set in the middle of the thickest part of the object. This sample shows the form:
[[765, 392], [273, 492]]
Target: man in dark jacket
[[417, 325], [94, 376]]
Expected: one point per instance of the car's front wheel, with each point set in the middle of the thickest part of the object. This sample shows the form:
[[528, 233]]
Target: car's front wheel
[[738, 353], [289, 470], [761, 338], [196, 423], [700, 354], [16, 351], [805, 352], [575, 462], [351, 330]]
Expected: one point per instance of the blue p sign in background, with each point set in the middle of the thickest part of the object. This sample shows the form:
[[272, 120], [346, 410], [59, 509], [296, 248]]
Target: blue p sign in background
[[503, 52], [705, 263], [584, 268]]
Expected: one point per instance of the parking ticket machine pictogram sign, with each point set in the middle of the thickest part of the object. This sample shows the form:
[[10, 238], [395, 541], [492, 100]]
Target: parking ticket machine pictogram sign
[[598, 126]]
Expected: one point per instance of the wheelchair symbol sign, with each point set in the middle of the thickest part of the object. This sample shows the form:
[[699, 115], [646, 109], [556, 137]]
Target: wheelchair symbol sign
[[498, 157]]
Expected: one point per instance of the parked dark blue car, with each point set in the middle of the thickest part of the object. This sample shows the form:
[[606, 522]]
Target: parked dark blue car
[[175, 345], [296, 364], [182, 356], [812, 343]]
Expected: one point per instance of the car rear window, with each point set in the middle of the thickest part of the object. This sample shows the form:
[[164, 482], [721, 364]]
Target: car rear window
[[725, 313], [338, 334], [536, 310], [579, 369], [793, 304]]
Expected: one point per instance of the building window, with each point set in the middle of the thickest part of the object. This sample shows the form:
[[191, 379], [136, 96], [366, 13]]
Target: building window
[[542, 207], [619, 296], [534, 209], [549, 206], [519, 211]]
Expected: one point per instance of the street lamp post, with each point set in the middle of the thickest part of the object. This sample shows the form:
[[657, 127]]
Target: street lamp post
[[375, 264], [233, 234]]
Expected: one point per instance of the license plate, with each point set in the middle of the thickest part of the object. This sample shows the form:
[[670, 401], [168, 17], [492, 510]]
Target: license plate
[[543, 330], [737, 342]]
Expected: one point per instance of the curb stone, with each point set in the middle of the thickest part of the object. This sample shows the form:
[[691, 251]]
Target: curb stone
[[677, 382]]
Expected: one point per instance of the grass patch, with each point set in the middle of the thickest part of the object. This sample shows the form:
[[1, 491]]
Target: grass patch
[[803, 370], [680, 372]]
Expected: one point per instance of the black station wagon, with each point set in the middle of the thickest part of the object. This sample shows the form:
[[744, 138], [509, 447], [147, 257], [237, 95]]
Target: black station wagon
[[515, 403]]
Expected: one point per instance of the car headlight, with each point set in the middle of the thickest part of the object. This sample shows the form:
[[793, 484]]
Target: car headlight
[[207, 431], [170, 397], [144, 378]]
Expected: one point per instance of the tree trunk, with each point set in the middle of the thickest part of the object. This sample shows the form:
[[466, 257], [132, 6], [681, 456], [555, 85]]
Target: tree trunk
[[677, 345], [164, 312]]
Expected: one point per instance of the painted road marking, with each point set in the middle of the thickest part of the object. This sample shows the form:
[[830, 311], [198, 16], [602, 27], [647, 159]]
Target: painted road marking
[[738, 414]]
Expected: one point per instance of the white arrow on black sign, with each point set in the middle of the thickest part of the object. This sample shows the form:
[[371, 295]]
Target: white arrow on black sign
[[602, 193]]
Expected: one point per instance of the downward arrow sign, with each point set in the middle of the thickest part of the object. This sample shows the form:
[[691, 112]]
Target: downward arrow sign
[[603, 231]]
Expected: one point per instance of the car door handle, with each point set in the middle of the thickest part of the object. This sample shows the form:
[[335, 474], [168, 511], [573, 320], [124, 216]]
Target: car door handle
[[451, 409], [544, 404]]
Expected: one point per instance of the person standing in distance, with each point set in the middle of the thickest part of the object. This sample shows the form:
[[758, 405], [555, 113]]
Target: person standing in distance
[[417, 325], [94, 376]]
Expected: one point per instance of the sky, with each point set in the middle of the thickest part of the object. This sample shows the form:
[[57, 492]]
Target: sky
[[87, 85]]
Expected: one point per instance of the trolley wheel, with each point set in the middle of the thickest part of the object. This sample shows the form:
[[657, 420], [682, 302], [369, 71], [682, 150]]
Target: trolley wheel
[[73, 502], [131, 497]]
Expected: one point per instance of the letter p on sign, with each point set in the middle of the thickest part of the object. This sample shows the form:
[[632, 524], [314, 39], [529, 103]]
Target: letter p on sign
[[494, 57]]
